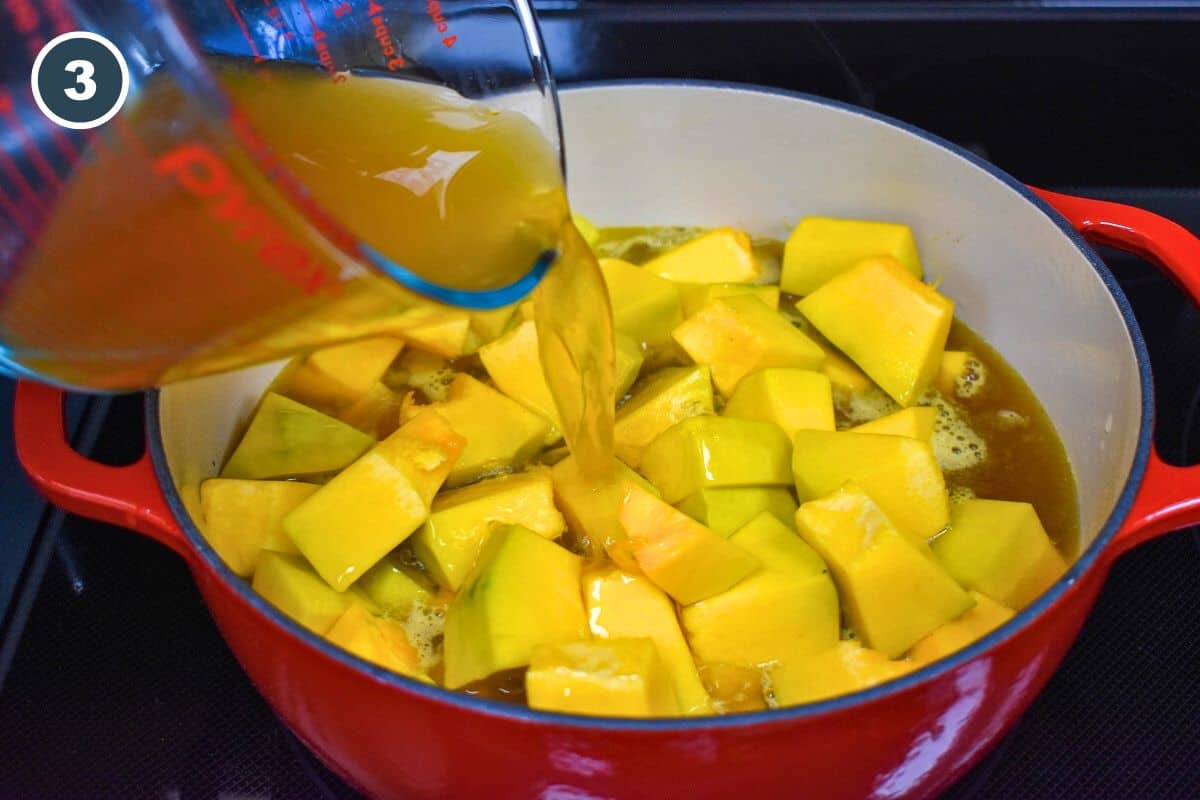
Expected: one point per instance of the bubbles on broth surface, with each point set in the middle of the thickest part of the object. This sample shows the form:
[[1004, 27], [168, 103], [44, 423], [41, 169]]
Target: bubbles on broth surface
[[870, 404], [972, 380], [424, 625], [959, 494], [956, 445]]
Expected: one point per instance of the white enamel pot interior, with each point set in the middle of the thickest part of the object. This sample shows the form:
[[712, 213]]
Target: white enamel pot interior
[[682, 153]]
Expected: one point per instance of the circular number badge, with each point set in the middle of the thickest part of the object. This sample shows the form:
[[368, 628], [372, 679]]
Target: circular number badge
[[80, 80]]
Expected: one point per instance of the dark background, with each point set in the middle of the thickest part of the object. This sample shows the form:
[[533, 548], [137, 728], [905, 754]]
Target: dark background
[[115, 683]]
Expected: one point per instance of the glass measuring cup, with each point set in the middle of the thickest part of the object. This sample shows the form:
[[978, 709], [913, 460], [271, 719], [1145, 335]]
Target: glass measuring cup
[[199, 228]]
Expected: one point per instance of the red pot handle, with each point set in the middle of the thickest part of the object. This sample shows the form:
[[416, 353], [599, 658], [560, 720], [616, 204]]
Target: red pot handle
[[1169, 497], [126, 496]]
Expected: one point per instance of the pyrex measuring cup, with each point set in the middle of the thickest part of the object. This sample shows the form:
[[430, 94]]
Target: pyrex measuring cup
[[281, 174]]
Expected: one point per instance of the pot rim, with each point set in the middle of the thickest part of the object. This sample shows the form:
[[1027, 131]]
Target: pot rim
[[522, 714]]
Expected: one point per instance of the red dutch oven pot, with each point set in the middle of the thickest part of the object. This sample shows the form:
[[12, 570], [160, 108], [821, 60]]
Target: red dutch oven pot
[[392, 737]]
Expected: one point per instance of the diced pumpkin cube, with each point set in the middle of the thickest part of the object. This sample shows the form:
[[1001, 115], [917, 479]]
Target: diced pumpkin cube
[[722, 255], [667, 397], [624, 604], [844, 668], [915, 423], [335, 378], [899, 473], [591, 508], [787, 608], [737, 336], [515, 367], [820, 248], [376, 412], [358, 365], [450, 540], [372, 506], [628, 357], [487, 326], [513, 363], [887, 321], [893, 590], [683, 558], [587, 231], [982, 619], [286, 438], [645, 307], [287, 582], [606, 678], [734, 688], [842, 373], [793, 399], [522, 592], [709, 452], [999, 548], [441, 330], [723, 511], [242, 518], [377, 640], [395, 587], [501, 434], [695, 296]]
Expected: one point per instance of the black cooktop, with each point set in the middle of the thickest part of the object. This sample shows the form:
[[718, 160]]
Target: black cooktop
[[114, 682]]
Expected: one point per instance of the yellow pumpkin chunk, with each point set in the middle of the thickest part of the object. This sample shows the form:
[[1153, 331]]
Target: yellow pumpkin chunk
[[450, 540], [645, 307], [287, 582], [436, 329], [501, 434], [286, 438], [358, 365], [893, 590], [723, 511], [821, 248], [793, 399], [842, 373], [982, 619], [243, 518], [708, 452], [734, 688], [695, 296], [722, 255], [395, 587], [900, 474], [787, 608], [915, 423], [667, 397], [378, 640], [604, 678], [373, 505], [624, 604], [887, 322], [683, 558], [515, 367], [999, 548], [737, 336], [376, 413], [335, 378], [522, 592], [844, 668], [592, 509]]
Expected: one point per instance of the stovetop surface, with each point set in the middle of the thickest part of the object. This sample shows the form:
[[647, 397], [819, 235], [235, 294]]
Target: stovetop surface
[[116, 684]]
